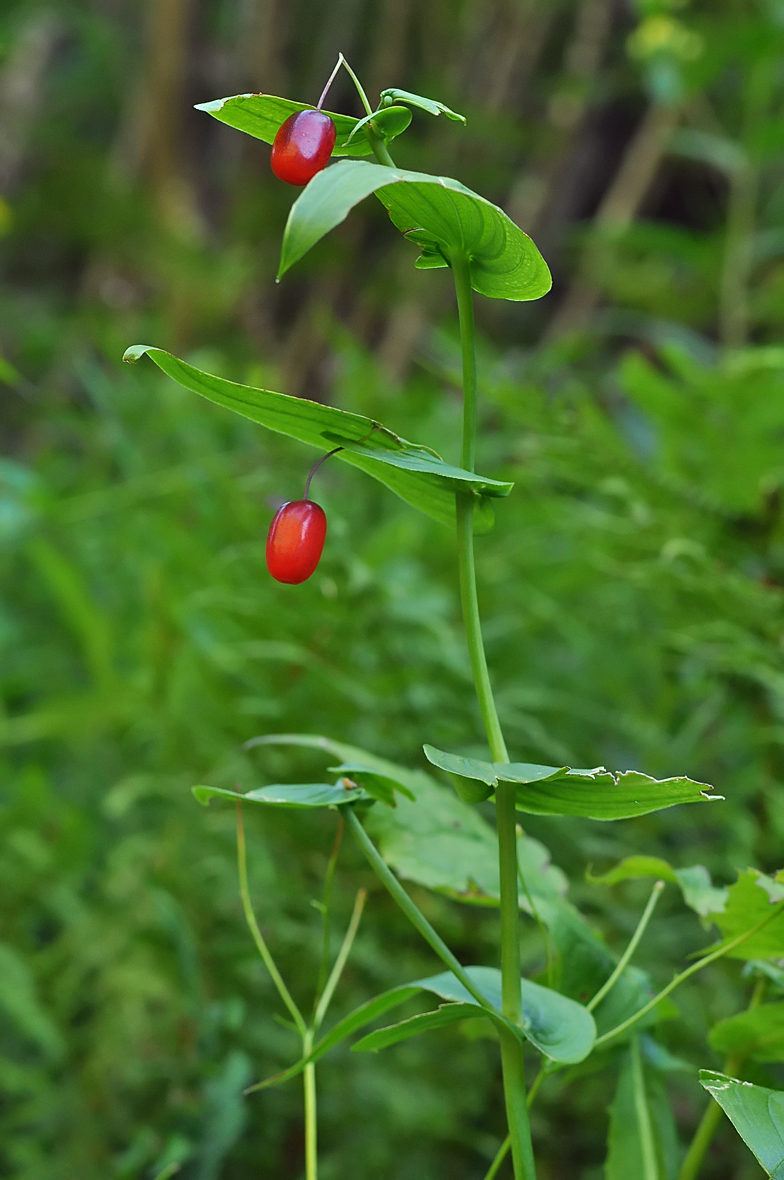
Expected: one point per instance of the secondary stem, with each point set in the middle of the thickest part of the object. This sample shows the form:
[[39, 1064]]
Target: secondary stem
[[512, 1058], [412, 912], [311, 1123], [258, 938], [684, 975], [631, 948]]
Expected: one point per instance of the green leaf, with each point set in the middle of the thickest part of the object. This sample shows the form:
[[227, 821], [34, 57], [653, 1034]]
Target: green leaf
[[438, 840], [261, 115], [440, 214], [288, 795], [593, 794], [642, 1141], [414, 473], [559, 1027], [423, 104], [380, 786], [414, 1026], [383, 122], [756, 1113], [695, 883], [749, 902], [758, 1033]]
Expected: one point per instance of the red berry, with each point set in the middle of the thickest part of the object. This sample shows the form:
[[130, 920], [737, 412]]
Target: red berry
[[295, 541], [302, 146]]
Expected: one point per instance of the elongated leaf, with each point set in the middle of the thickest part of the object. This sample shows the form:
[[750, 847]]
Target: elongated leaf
[[261, 116], [695, 883], [440, 214], [749, 901], [756, 1113], [758, 1033], [593, 794], [414, 473], [642, 1141], [415, 1026], [430, 105], [288, 795], [438, 840], [559, 1027]]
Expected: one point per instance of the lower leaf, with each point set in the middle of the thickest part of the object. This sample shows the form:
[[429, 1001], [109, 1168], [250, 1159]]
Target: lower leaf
[[756, 1113]]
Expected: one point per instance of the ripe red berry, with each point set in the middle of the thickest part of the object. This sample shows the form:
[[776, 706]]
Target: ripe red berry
[[295, 541], [302, 146]]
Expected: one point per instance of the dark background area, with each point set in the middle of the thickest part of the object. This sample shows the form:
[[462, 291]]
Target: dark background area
[[631, 588]]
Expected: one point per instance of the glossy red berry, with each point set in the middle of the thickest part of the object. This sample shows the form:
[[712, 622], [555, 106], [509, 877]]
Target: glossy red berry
[[302, 146], [295, 541]]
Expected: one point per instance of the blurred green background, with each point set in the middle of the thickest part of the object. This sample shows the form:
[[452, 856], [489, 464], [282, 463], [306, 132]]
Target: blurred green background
[[632, 588]]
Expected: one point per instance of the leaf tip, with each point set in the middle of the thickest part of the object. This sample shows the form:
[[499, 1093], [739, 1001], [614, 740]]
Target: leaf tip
[[201, 795], [132, 354]]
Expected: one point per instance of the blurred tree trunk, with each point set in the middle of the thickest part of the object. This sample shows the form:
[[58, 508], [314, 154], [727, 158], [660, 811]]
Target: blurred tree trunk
[[168, 30], [617, 210], [22, 90]]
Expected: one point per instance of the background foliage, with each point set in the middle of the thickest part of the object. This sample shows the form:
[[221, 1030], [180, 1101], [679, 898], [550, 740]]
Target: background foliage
[[632, 587]]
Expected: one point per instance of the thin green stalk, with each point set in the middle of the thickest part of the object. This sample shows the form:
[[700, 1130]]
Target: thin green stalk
[[340, 961], [253, 925], [512, 1058], [412, 912], [684, 975], [709, 1123], [358, 84], [311, 1122], [326, 904], [647, 1144], [500, 1156], [503, 1150], [631, 948]]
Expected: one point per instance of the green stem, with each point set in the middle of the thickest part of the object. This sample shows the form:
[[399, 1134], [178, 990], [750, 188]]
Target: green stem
[[709, 1123], [258, 938], [326, 905], [412, 912], [647, 1145], [465, 523], [684, 975], [503, 1150], [311, 1124], [340, 961], [500, 1156], [379, 146], [360, 89], [512, 1058], [631, 948]]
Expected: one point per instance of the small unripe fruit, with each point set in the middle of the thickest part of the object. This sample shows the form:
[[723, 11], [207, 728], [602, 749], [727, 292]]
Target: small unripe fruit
[[302, 146], [295, 541]]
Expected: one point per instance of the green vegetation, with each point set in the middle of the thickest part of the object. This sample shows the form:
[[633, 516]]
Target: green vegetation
[[631, 588]]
